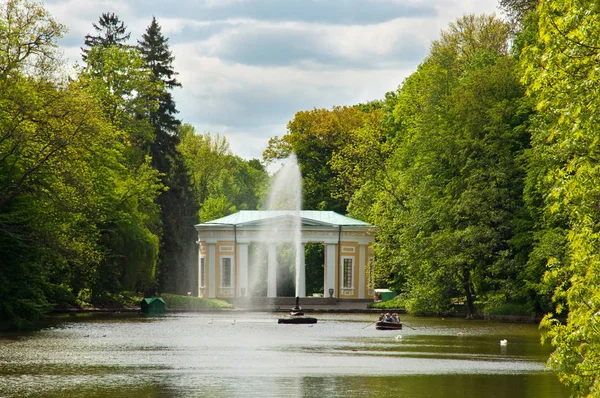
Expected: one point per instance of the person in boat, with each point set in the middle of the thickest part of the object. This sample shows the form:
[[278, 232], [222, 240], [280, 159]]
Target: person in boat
[[388, 317], [382, 317], [395, 318]]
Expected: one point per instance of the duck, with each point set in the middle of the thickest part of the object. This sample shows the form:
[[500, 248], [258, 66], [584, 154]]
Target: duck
[[399, 337], [503, 342]]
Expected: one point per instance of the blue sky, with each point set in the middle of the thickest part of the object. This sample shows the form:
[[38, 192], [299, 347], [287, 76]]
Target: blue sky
[[247, 66]]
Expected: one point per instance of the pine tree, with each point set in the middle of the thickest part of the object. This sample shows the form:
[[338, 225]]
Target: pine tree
[[110, 31], [154, 48], [178, 208]]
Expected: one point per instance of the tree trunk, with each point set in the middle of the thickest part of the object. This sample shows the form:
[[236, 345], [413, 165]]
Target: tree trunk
[[468, 292]]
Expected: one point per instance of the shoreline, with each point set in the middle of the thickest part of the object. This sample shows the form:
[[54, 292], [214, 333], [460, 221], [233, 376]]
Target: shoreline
[[136, 309]]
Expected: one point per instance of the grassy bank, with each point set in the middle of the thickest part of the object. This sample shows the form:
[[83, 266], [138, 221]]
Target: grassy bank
[[189, 303]]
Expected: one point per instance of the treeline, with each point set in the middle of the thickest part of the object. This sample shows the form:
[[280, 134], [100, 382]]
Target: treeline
[[482, 174], [100, 183]]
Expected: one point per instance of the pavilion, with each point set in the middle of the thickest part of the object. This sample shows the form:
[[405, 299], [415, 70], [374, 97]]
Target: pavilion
[[223, 256]]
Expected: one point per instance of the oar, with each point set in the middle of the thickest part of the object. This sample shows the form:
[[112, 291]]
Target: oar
[[369, 324], [404, 324]]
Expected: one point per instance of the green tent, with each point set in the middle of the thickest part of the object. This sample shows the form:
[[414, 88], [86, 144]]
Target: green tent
[[153, 306]]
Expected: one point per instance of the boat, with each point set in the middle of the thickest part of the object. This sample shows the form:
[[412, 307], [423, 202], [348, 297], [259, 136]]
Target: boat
[[297, 316], [383, 325], [298, 320]]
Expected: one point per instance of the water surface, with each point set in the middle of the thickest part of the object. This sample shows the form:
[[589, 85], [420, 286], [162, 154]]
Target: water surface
[[235, 354]]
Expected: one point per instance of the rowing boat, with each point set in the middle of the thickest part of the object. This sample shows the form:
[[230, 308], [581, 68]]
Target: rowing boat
[[382, 325]]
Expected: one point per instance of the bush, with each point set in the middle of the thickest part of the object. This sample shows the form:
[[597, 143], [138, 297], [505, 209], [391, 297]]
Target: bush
[[508, 309], [395, 303], [116, 300]]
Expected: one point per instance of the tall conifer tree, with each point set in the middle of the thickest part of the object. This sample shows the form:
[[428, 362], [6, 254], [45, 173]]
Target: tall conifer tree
[[178, 208], [110, 31]]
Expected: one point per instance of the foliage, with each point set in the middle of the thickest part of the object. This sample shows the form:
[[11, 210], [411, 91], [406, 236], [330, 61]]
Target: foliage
[[315, 136], [110, 31], [118, 76], [77, 208], [397, 303], [49, 137], [28, 34], [451, 210], [222, 182], [562, 75], [314, 271], [178, 210]]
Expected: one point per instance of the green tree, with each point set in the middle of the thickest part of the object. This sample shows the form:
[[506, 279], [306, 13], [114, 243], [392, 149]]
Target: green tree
[[453, 208], [177, 206], [28, 34], [110, 31], [128, 93], [126, 87], [222, 182], [315, 136], [561, 74]]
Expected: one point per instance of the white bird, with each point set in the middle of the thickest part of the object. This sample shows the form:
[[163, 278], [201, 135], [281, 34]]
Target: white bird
[[210, 322], [503, 342], [399, 337], [233, 323]]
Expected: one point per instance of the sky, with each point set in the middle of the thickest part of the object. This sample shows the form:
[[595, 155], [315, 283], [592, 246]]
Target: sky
[[247, 66]]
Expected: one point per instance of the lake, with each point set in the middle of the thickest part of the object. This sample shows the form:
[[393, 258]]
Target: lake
[[242, 354]]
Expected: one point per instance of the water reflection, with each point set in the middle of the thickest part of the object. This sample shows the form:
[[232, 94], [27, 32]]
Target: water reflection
[[211, 355]]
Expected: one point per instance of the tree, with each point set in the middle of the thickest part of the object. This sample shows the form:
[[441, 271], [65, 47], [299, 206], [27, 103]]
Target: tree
[[128, 94], [118, 76], [222, 182], [28, 34], [155, 51], [315, 136], [44, 133], [110, 31], [179, 211], [517, 10], [561, 75], [453, 204]]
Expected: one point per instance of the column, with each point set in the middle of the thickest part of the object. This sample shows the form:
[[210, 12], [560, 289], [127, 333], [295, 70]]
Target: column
[[199, 267], [362, 261], [243, 270], [330, 257], [272, 270], [300, 272], [211, 281]]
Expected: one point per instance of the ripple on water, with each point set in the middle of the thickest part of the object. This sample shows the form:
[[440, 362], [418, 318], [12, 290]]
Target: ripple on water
[[191, 353]]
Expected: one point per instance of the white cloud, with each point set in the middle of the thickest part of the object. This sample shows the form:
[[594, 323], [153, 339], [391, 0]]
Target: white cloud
[[247, 66]]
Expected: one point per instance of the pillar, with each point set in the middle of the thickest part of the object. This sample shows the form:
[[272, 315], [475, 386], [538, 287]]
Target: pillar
[[211, 281], [272, 270], [330, 257], [200, 268], [300, 272], [362, 261], [243, 270]]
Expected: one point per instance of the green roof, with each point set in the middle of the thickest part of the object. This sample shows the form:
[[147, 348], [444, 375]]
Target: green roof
[[150, 300], [310, 217]]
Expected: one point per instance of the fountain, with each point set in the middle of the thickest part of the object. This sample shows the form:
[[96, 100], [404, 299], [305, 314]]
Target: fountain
[[286, 196]]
